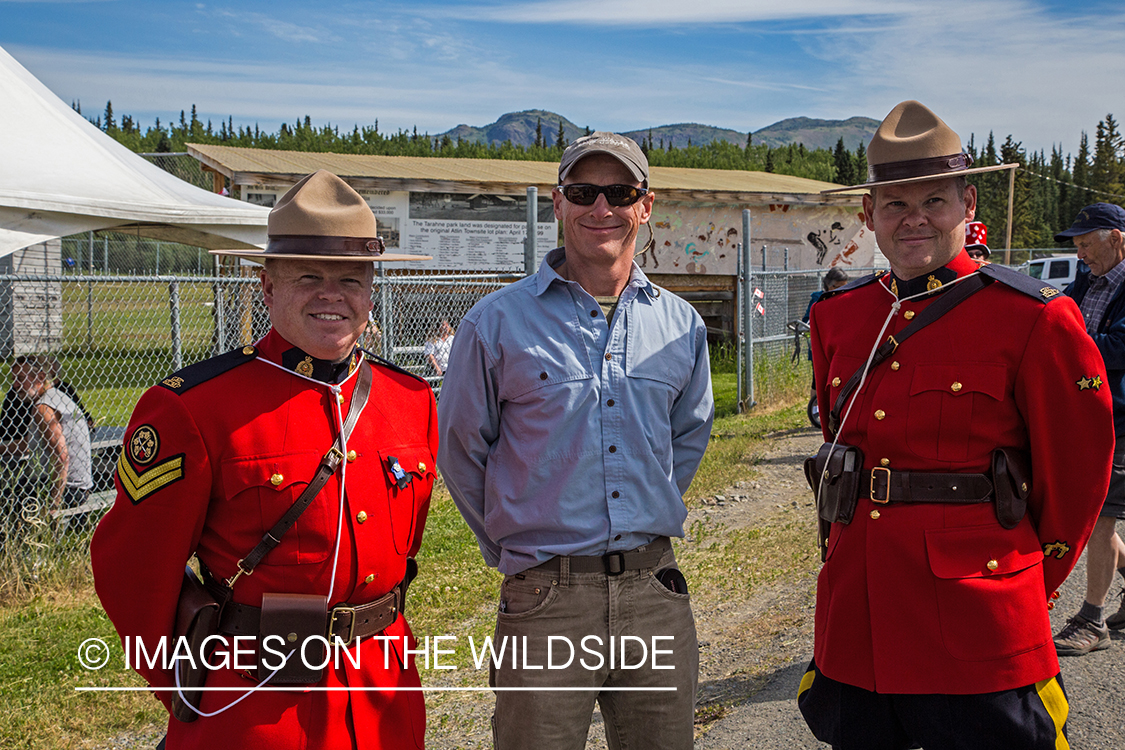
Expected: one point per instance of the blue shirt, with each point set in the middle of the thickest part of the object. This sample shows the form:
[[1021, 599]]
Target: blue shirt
[[562, 434]]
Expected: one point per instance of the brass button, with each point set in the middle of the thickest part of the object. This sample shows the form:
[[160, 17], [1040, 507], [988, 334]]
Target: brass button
[[884, 462], [895, 365], [276, 479], [1023, 487], [956, 387], [369, 578], [608, 357], [880, 414], [874, 514], [340, 398], [992, 565], [422, 467], [835, 382], [247, 350], [292, 637], [361, 516], [909, 315], [351, 455]]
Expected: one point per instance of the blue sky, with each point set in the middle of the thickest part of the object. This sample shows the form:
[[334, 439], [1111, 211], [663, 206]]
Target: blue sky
[[1041, 70]]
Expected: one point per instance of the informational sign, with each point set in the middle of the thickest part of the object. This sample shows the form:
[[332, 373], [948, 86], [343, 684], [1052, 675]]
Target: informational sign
[[461, 231]]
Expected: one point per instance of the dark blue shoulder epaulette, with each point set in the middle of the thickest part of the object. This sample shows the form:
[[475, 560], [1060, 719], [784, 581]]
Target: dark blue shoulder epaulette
[[1021, 282], [861, 281], [376, 359], [201, 372]]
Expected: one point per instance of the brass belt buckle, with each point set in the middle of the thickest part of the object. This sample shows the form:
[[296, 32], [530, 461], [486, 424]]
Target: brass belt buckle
[[886, 498], [337, 611]]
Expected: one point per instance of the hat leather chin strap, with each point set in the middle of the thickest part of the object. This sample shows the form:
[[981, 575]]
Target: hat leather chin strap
[[362, 248], [935, 166]]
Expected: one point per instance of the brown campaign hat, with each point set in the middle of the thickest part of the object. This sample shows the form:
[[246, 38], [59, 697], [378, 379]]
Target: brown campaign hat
[[913, 144], [620, 147], [322, 218]]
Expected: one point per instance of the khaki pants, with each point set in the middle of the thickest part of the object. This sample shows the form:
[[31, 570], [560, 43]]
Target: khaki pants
[[583, 612]]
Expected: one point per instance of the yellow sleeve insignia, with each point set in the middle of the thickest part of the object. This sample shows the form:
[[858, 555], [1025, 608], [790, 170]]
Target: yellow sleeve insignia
[[139, 486], [1056, 547], [1088, 382]]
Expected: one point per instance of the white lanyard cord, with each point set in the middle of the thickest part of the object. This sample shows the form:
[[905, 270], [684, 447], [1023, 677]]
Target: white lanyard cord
[[336, 407], [895, 306]]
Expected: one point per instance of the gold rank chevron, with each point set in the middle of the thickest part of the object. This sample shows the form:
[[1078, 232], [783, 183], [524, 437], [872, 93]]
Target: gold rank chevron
[[139, 486]]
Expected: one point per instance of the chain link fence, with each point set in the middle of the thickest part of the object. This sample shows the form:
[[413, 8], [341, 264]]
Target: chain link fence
[[113, 332]]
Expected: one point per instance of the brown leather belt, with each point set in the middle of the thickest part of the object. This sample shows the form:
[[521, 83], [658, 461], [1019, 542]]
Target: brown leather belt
[[615, 563], [344, 620], [885, 486]]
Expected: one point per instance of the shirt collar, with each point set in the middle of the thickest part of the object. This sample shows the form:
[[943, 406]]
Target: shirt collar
[[961, 265], [274, 347], [555, 258], [1113, 276]]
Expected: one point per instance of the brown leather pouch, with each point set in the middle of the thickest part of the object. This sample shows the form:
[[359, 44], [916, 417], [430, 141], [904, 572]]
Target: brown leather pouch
[[197, 616], [835, 481], [288, 621], [1011, 483]]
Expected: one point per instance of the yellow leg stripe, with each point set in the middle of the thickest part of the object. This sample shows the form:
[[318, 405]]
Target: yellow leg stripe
[[806, 682], [1057, 708]]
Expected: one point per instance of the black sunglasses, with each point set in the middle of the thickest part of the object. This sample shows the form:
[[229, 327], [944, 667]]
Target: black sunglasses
[[615, 195]]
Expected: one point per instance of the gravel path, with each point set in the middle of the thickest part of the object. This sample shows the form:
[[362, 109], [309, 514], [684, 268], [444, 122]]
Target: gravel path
[[767, 718]]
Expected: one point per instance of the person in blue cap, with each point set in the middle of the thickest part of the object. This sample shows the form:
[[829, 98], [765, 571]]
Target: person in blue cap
[[1098, 234]]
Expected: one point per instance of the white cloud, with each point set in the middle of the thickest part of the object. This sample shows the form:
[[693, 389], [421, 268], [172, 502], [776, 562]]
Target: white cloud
[[664, 12]]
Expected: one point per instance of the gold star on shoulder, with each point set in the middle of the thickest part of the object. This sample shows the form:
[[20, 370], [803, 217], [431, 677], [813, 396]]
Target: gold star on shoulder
[[1089, 382]]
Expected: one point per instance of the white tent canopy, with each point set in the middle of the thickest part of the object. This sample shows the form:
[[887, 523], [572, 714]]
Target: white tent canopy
[[60, 175]]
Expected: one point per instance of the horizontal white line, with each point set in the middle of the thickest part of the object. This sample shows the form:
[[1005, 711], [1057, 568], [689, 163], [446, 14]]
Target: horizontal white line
[[298, 688]]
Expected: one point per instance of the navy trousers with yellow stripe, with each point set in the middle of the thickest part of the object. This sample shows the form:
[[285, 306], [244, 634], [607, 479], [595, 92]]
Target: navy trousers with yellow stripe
[[851, 718]]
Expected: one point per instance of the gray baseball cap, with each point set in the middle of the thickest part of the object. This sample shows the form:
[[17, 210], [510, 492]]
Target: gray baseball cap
[[620, 147]]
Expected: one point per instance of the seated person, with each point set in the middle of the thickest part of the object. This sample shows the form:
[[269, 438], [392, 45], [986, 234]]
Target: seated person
[[57, 437]]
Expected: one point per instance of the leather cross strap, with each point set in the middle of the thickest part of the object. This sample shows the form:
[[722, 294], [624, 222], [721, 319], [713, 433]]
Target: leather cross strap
[[885, 486], [327, 468], [944, 303]]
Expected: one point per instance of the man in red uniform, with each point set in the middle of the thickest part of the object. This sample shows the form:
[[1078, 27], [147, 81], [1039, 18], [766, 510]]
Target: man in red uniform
[[931, 617], [216, 454]]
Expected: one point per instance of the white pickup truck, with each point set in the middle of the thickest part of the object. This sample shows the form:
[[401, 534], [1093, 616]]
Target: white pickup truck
[[1058, 271]]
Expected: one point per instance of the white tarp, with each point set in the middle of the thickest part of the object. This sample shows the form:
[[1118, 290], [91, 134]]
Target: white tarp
[[60, 175]]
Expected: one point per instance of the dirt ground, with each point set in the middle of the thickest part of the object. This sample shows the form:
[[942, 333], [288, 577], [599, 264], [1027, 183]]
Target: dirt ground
[[744, 642]]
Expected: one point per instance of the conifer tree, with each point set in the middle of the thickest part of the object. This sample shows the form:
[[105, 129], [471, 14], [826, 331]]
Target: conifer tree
[[845, 167]]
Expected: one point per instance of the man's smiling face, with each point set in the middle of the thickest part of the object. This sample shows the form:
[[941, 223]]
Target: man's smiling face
[[319, 306]]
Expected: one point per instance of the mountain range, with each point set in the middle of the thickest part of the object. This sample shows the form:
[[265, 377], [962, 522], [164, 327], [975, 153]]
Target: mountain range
[[520, 127]]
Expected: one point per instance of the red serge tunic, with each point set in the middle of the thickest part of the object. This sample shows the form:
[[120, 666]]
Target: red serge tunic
[[210, 463], [939, 598]]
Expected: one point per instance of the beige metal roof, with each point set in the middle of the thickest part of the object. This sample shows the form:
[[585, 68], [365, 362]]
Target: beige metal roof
[[251, 166]]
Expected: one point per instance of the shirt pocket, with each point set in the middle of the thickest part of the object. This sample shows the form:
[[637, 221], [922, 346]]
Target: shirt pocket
[[536, 373], [945, 400], [657, 375], [989, 589], [409, 472], [270, 485]]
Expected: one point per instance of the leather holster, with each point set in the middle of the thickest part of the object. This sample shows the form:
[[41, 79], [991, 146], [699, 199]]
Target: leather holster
[[197, 617]]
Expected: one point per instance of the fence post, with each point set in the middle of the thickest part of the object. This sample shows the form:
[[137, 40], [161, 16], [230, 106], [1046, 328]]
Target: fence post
[[174, 303], [90, 299], [220, 316], [532, 231], [740, 334], [748, 310], [385, 315]]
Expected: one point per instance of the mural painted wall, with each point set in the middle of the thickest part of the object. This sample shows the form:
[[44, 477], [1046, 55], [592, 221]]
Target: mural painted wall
[[696, 239]]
